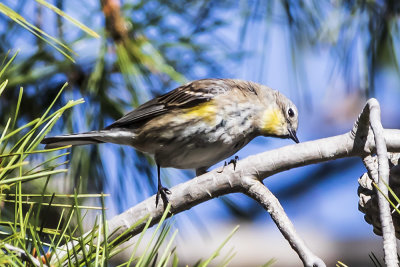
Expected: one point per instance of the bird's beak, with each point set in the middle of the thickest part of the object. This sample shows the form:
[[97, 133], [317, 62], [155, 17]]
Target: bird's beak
[[292, 135]]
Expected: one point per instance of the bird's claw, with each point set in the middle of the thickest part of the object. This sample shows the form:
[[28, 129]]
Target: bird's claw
[[232, 161], [163, 192]]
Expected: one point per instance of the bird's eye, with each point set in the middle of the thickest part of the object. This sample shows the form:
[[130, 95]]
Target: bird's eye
[[290, 112]]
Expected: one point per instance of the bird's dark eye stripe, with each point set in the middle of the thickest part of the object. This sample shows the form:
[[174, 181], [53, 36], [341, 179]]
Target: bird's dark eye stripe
[[290, 112]]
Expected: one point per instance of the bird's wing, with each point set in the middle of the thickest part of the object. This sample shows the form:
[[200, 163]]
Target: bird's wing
[[185, 96]]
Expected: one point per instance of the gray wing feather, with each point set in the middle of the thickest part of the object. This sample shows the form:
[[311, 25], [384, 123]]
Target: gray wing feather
[[186, 96]]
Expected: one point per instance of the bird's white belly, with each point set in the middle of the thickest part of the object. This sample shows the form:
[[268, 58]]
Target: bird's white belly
[[193, 158], [200, 153]]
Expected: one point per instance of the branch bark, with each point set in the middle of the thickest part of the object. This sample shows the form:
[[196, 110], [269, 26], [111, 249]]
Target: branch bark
[[248, 175], [382, 179], [260, 193], [213, 184], [23, 255]]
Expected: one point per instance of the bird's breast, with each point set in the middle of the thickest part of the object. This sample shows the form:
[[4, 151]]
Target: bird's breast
[[204, 142]]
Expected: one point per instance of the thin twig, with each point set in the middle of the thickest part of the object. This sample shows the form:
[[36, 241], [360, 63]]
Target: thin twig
[[261, 194]]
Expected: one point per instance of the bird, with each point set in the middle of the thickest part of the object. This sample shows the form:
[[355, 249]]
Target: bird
[[196, 125]]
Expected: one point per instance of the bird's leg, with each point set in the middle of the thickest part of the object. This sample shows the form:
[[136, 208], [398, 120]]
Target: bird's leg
[[232, 161], [201, 171], [162, 191], [223, 167]]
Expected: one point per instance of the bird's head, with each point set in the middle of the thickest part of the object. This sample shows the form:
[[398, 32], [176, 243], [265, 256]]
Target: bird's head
[[279, 118]]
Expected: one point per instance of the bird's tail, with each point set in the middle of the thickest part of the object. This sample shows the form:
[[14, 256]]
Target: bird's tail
[[94, 137], [73, 139]]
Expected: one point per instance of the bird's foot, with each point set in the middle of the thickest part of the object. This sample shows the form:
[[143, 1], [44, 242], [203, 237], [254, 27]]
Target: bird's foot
[[232, 161], [163, 192]]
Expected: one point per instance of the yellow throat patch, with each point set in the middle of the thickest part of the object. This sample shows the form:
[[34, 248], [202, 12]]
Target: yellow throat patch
[[273, 121]]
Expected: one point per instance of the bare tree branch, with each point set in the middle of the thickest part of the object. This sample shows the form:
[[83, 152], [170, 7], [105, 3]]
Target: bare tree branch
[[213, 184], [260, 193], [382, 179], [23, 255], [249, 173]]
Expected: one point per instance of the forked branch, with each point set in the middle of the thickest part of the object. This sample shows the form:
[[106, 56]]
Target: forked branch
[[249, 173]]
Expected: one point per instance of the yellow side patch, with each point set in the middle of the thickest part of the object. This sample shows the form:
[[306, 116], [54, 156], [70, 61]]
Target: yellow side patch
[[206, 111], [272, 122]]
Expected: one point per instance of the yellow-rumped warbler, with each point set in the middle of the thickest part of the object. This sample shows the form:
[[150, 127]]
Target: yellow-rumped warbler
[[197, 125]]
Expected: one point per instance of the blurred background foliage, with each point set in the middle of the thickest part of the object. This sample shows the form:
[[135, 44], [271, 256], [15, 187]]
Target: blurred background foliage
[[149, 47], [146, 48]]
